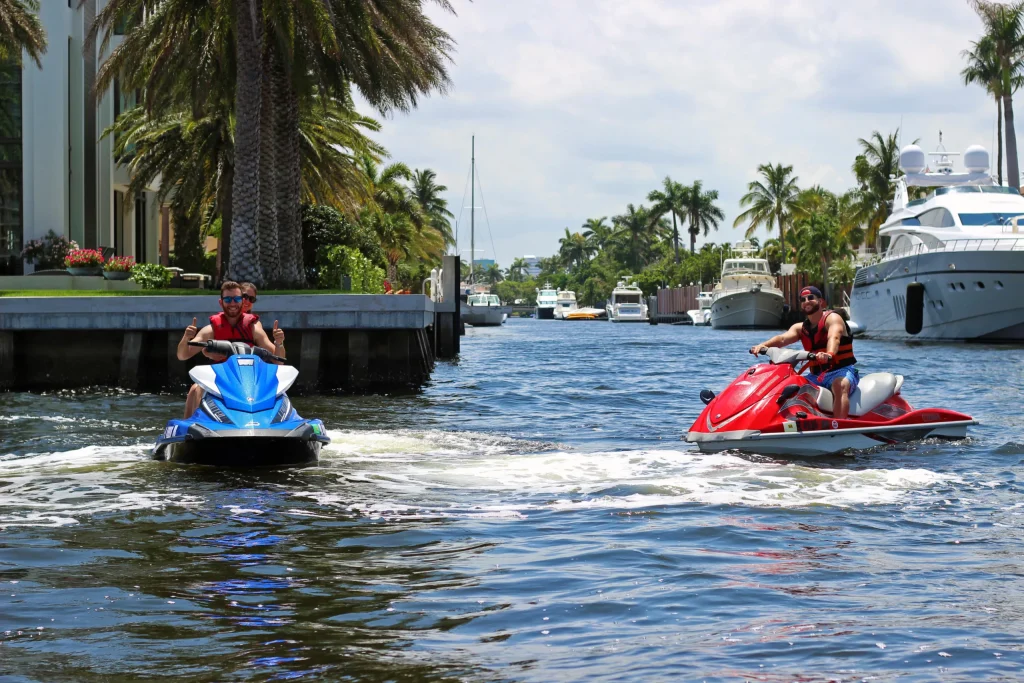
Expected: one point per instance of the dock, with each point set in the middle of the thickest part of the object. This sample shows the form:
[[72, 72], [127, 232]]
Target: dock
[[349, 342]]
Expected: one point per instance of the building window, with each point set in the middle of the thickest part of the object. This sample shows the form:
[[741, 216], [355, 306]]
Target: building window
[[11, 227]]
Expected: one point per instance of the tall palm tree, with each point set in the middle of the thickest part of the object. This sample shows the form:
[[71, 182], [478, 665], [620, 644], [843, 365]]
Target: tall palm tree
[[1004, 26], [20, 29], [819, 240], [771, 202], [700, 211], [427, 193], [635, 228], [671, 199], [493, 274], [874, 167], [517, 269], [574, 249], [983, 69], [597, 232]]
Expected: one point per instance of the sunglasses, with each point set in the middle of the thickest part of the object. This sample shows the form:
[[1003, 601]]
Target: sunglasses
[[809, 297], [250, 298], [231, 299]]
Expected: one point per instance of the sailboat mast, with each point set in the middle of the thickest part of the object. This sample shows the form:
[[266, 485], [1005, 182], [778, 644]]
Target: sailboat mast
[[472, 208]]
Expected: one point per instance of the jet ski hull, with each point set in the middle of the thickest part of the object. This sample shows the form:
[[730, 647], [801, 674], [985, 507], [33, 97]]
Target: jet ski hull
[[243, 447]]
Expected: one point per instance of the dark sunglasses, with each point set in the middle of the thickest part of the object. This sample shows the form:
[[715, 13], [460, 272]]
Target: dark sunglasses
[[231, 299], [809, 297], [249, 297]]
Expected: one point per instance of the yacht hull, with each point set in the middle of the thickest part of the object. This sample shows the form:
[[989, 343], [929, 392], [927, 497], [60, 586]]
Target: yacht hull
[[484, 316], [746, 309], [545, 312], [973, 295]]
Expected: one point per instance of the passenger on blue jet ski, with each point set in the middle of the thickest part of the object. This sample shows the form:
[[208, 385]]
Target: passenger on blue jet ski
[[229, 325], [826, 334]]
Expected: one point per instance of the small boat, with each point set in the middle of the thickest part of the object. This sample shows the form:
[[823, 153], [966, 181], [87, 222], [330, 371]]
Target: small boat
[[747, 296], [547, 300], [702, 314], [565, 303], [627, 304], [484, 310], [587, 313]]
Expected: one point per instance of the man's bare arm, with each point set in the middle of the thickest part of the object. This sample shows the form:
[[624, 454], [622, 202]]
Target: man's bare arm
[[785, 339], [184, 351]]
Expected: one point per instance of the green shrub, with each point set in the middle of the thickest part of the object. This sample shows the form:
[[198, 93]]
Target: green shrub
[[367, 278], [151, 275], [324, 228]]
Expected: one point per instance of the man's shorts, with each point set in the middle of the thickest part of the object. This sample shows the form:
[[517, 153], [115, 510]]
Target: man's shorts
[[826, 379]]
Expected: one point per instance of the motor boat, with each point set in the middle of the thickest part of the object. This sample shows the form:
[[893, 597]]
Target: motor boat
[[587, 313], [547, 300], [626, 304], [484, 310], [747, 295], [952, 266], [565, 303], [702, 314], [771, 409], [245, 419]]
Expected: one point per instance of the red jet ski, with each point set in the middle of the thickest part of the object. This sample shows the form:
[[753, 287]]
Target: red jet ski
[[772, 409]]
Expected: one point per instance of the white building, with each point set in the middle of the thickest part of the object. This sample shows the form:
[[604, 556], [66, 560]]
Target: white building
[[56, 173]]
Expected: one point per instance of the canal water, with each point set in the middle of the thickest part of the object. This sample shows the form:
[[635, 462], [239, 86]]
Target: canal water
[[531, 515]]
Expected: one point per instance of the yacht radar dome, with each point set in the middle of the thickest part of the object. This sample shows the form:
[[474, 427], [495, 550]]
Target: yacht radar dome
[[912, 159], [976, 159]]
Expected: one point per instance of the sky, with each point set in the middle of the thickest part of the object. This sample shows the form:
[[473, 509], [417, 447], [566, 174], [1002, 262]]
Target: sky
[[580, 107]]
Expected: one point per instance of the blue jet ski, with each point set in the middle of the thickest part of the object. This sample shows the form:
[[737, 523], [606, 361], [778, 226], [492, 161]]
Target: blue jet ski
[[244, 419]]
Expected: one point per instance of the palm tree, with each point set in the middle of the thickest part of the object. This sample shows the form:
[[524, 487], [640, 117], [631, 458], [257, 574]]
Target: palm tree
[[983, 68], [819, 240], [574, 249], [771, 202], [517, 269], [427, 193], [700, 211], [635, 228], [597, 232], [874, 167], [672, 200], [1004, 26], [493, 274], [20, 29]]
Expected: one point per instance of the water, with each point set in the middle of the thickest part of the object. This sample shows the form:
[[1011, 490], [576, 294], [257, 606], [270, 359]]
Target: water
[[532, 515]]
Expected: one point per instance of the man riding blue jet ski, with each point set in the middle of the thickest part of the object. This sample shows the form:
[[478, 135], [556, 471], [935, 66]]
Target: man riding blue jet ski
[[237, 413]]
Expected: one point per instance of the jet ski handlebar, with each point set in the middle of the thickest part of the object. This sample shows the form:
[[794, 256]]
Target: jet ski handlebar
[[781, 356], [226, 348]]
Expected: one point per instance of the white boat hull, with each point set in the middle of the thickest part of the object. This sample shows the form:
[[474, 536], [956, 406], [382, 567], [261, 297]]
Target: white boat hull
[[700, 316], [484, 316], [813, 444], [968, 295], [747, 308], [617, 315]]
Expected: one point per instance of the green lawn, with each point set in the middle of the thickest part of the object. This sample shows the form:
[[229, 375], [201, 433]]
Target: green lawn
[[154, 292]]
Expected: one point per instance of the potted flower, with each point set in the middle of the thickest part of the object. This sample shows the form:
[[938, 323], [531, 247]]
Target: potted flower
[[48, 252], [118, 267], [84, 262]]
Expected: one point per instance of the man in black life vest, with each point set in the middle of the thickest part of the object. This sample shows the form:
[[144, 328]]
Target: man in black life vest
[[229, 325], [827, 335]]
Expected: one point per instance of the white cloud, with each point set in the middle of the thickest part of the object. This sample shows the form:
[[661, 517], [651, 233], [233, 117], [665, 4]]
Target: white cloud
[[583, 106]]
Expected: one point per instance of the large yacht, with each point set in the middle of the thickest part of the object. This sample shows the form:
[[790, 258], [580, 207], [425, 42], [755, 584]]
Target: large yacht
[[953, 262], [747, 295], [626, 304], [547, 299], [565, 304], [484, 310]]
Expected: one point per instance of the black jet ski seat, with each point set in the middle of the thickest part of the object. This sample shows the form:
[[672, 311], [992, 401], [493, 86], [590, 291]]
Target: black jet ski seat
[[872, 391]]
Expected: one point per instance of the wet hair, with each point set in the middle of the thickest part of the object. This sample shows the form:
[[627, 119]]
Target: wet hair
[[229, 284]]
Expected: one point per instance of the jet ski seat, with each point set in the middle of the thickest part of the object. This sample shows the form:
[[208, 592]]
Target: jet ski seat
[[872, 391]]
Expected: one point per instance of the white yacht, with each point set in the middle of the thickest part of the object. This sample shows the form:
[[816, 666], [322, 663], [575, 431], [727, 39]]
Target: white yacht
[[953, 262], [565, 304], [484, 310], [547, 299], [627, 304], [747, 295], [702, 314]]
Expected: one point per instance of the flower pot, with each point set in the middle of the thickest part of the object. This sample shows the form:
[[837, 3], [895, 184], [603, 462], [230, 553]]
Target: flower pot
[[116, 274], [87, 270]]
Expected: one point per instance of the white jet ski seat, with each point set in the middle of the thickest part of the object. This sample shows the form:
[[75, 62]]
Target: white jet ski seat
[[872, 391]]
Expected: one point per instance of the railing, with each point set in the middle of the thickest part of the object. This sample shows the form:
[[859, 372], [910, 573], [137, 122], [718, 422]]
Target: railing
[[980, 244]]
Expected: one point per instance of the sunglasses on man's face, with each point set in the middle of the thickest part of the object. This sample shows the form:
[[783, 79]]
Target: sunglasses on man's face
[[809, 297], [231, 299], [249, 297]]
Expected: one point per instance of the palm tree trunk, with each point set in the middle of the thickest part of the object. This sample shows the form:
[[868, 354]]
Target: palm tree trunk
[[1012, 169], [289, 180], [999, 140], [675, 236], [270, 257], [227, 179], [244, 261], [782, 238]]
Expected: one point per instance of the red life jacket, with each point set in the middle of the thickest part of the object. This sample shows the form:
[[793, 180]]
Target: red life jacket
[[240, 332], [816, 340]]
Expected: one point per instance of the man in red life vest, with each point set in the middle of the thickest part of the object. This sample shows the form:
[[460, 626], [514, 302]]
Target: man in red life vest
[[826, 333], [232, 324]]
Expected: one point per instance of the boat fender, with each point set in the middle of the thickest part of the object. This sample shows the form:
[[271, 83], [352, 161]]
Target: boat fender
[[915, 308]]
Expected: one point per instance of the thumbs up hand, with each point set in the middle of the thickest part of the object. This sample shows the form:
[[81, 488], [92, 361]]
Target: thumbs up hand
[[278, 335], [191, 331]]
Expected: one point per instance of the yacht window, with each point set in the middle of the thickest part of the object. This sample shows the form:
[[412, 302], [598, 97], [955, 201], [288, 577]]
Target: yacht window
[[987, 218], [937, 218], [627, 298], [760, 267], [885, 241], [998, 189], [910, 221]]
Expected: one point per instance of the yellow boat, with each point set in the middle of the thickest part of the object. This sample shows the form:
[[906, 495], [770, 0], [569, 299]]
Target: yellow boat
[[587, 314]]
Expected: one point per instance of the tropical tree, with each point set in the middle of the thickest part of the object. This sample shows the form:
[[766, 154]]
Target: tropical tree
[[597, 232], [770, 202], [819, 241], [21, 29], [1004, 27], [671, 199], [636, 229], [493, 274], [427, 193], [517, 271], [701, 212], [874, 167], [574, 249], [983, 68]]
